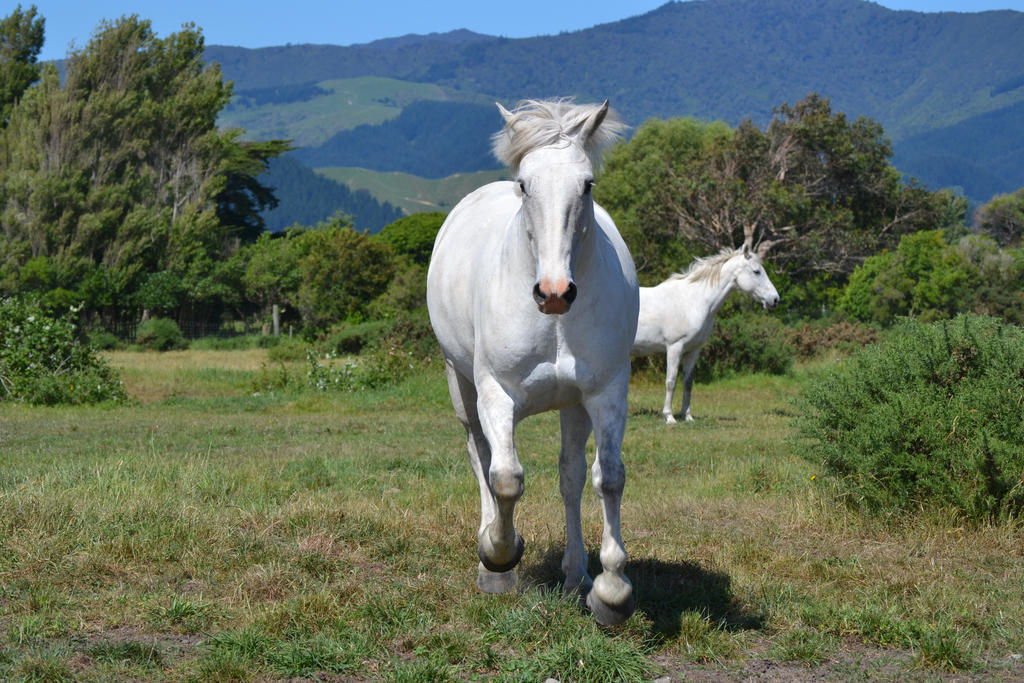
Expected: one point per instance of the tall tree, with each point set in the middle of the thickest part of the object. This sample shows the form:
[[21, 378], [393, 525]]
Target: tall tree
[[1002, 219], [123, 169], [813, 189], [21, 39]]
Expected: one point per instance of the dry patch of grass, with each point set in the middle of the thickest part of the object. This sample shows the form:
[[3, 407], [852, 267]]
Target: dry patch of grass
[[151, 377]]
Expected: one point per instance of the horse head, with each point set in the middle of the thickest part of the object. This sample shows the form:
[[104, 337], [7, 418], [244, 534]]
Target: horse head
[[552, 149], [752, 278]]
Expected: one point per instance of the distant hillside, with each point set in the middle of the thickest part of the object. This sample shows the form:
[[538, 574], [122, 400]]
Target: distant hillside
[[429, 139], [917, 74], [307, 198], [310, 113]]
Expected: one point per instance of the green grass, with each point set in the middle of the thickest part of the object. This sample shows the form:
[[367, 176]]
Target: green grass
[[206, 534], [412, 193]]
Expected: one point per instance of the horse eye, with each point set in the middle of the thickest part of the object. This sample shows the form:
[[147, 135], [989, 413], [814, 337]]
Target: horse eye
[[522, 187], [588, 186]]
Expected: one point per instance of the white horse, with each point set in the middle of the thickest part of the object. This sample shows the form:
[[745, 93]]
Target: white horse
[[533, 297], [678, 315]]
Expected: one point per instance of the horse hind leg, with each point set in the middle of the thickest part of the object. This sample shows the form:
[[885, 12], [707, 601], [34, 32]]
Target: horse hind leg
[[464, 398], [689, 370], [572, 476]]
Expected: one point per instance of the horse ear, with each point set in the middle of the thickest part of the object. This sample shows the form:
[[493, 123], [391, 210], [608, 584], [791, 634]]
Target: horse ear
[[746, 250], [589, 125], [595, 121]]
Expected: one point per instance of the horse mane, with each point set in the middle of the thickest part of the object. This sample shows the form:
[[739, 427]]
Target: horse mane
[[538, 123], [710, 267]]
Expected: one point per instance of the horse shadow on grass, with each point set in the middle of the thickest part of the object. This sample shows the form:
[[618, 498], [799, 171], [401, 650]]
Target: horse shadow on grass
[[664, 591]]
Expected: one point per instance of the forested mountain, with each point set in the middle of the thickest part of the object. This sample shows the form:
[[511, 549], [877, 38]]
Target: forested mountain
[[306, 198], [428, 139], [932, 80]]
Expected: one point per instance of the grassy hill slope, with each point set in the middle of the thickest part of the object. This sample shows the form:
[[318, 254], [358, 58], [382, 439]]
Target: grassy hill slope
[[345, 104]]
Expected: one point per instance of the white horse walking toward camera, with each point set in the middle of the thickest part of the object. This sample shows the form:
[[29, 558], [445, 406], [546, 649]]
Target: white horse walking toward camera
[[678, 315], [533, 297]]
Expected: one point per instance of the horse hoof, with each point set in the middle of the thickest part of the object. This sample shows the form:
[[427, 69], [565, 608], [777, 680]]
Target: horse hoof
[[495, 582], [609, 615], [670, 420], [611, 599], [499, 567]]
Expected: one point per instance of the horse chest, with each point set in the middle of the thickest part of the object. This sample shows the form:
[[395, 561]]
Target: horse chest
[[545, 369]]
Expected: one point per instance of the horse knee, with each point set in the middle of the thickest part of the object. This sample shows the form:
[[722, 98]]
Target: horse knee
[[507, 483]]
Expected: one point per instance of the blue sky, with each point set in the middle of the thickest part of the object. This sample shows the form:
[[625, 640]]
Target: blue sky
[[261, 23]]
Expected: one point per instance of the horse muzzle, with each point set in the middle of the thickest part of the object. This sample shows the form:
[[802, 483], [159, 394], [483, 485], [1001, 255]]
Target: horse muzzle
[[552, 303]]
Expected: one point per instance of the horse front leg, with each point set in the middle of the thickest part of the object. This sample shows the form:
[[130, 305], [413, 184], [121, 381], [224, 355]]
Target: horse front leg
[[611, 599], [572, 476], [464, 400], [673, 353], [500, 546]]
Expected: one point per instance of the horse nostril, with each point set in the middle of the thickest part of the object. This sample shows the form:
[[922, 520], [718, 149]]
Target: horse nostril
[[538, 296], [570, 293]]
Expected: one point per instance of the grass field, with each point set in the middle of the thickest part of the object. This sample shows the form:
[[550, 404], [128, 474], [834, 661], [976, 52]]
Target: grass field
[[210, 533]]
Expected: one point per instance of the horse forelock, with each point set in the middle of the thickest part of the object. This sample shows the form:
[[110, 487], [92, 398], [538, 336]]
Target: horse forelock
[[710, 267], [540, 123]]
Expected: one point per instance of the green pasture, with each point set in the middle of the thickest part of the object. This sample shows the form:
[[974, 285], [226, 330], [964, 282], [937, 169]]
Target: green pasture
[[213, 532]]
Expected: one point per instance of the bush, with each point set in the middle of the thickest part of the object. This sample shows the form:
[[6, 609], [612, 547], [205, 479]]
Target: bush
[[161, 334], [104, 341], [348, 338], [811, 339], [44, 362], [931, 418], [400, 346], [745, 343]]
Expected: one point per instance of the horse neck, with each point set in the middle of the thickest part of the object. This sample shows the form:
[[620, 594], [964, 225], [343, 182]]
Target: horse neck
[[713, 295]]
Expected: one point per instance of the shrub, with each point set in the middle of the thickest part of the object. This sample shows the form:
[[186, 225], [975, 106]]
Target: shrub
[[349, 338], [810, 339], [104, 341], [287, 351], [745, 343], [931, 418], [43, 361], [399, 348], [161, 334]]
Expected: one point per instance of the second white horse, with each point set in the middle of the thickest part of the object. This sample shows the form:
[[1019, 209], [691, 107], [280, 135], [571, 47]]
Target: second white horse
[[678, 315]]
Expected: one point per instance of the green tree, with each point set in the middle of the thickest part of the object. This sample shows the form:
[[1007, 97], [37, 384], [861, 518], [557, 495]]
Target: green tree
[[632, 188], [271, 274], [123, 170], [21, 39], [413, 236], [1002, 219], [929, 279], [342, 271], [813, 190]]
